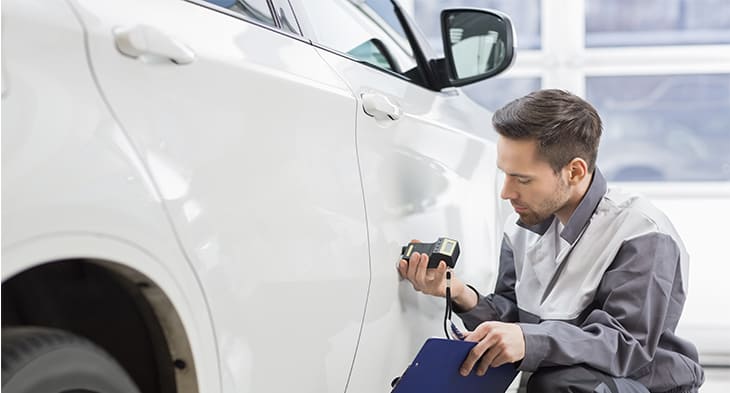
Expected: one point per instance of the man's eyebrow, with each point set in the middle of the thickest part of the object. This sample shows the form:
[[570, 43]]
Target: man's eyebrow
[[514, 174]]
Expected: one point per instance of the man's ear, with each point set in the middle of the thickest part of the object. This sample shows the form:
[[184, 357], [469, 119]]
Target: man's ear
[[577, 170]]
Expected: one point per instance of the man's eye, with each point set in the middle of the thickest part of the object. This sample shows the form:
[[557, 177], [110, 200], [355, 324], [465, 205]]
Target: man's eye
[[523, 181]]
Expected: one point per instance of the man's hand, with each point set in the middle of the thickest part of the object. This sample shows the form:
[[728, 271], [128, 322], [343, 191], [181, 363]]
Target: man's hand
[[433, 281], [497, 343], [423, 279]]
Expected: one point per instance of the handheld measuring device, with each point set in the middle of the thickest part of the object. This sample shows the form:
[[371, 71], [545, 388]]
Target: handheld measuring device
[[443, 249]]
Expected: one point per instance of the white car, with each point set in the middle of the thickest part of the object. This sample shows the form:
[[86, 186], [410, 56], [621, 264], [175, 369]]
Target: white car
[[211, 196]]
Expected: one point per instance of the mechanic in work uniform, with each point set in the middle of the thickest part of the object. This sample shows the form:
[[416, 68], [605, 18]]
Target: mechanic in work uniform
[[591, 281]]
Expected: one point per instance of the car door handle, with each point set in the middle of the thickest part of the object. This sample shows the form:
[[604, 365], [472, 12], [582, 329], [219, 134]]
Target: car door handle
[[144, 40], [380, 107]]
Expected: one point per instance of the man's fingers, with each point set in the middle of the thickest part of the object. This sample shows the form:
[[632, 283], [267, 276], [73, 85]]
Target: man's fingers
[[422, 266], [498, 343], [403, 268], [488, 359], [480, 332], [412, 266], [477, 352], [470, 361], [423, 279]]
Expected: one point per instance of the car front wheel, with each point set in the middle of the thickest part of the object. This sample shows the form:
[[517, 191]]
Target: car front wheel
[[43, 360]]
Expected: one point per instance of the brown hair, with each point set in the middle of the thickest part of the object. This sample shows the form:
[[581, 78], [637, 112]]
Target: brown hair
[[564, 125]]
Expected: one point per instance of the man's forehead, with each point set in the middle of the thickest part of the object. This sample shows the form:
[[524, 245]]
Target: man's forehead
[[515, 155], [520, 158]]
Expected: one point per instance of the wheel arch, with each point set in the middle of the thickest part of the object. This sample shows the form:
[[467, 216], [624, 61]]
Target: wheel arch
[[118, 296]]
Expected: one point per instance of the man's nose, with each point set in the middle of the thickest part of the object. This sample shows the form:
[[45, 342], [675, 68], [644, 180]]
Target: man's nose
[[507, 190]]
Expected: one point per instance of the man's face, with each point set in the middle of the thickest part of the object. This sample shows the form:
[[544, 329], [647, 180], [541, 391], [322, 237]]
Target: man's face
[[532, 187]]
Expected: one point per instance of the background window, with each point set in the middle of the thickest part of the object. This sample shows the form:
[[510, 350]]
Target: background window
[[495, 93], [384, 8], [657, 22], [666, 127], [525, 15]]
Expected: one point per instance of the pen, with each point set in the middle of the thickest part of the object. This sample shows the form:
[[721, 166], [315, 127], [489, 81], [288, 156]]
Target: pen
[[456, 331]]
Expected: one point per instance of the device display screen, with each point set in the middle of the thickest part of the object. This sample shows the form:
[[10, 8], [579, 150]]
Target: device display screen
[[447, 247]]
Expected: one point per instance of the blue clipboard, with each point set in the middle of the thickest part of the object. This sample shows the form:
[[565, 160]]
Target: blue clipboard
[[436, 369]]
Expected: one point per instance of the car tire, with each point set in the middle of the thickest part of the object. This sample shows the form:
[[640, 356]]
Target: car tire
[[43, 360]]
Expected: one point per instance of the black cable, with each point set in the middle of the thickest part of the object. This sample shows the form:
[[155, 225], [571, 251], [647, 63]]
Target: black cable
[[447, 314]]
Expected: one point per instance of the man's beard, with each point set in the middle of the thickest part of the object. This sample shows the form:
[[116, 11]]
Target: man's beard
[[548, 207]]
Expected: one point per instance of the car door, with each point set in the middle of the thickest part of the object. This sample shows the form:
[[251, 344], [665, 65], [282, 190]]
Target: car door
[[428, 166], [250, 138]]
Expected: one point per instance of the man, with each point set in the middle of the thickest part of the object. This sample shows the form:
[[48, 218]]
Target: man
[[591, 281]]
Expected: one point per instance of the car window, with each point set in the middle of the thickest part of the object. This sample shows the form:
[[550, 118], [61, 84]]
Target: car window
[[257, 10], [368, 30], [284, 12]]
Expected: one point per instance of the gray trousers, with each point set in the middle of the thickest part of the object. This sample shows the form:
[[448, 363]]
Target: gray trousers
[[577, 379]]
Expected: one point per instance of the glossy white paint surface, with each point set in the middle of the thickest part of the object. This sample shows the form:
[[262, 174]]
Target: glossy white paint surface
[[430, 173], [72, 184], [233, 182], [252, 145]]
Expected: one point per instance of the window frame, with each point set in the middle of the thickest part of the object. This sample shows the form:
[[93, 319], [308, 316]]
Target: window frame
[[272, 7], [244, 18], [414, 40]]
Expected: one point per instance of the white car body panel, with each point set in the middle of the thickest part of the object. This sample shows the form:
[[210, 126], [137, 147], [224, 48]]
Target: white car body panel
[[73, 186], [267, 203], [304, 299], [424, 177]]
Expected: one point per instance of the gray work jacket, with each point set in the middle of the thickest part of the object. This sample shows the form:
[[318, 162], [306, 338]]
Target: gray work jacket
[[606, 291]]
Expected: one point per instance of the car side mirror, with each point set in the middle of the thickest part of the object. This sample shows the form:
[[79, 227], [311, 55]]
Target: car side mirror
[[478, 44]]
